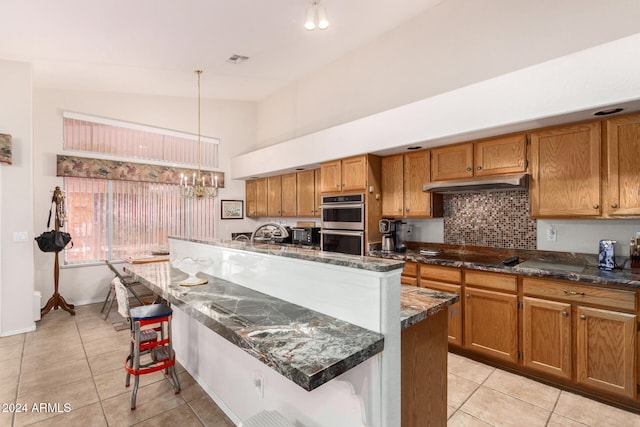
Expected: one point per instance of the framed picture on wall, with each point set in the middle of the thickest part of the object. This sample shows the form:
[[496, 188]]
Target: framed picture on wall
[[231, 209]]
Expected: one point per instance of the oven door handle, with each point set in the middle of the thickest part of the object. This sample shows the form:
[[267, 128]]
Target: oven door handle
[[344, 206], [343, 232]]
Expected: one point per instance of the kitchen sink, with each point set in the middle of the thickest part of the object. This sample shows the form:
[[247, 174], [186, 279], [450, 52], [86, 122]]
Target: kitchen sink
[[546, 265]]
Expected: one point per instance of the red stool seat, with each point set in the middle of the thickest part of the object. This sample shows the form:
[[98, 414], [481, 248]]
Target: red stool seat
[[150, 339]]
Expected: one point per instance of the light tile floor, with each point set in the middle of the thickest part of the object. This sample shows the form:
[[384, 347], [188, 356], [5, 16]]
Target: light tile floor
[[78, 360]]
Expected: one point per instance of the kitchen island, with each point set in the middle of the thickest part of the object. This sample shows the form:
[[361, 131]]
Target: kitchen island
[[322, 327]]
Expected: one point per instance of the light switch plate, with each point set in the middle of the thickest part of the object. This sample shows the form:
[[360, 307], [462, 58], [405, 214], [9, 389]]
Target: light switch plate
[[20, 236]]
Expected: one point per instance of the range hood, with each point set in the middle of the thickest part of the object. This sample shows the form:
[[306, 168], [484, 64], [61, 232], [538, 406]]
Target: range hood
[[494, 183]]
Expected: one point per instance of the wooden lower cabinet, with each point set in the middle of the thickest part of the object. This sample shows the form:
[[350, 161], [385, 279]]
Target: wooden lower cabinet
[[445, 279], [546, 344], [409, 274], [491, 323], [605, 350]]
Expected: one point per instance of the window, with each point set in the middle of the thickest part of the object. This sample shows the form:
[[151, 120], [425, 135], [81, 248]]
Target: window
[[113, 219]]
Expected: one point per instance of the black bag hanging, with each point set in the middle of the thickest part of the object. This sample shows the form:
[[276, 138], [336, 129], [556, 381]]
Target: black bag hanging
[[53, 241]]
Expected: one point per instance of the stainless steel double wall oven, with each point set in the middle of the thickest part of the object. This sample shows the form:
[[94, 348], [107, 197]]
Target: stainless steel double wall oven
[[343, 224]]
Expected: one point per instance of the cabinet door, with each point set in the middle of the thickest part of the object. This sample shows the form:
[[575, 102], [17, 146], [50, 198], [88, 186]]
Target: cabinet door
[[354, 173], [565, 172], [623, 157], [262, 197], [500, 155], [318, 193], [306, 195], [455, 310], [409, 274], [289, 195], [452, 162], [274, 191], [491, 323], [392, 187], [250, 196], [546, 343], [331, 176], [417, 203], [605, 353]]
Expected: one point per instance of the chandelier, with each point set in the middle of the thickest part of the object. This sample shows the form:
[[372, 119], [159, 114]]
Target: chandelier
[[200, 185]]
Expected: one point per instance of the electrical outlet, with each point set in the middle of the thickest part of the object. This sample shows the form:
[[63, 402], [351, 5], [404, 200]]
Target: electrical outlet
[[552, 234], [258, 382]]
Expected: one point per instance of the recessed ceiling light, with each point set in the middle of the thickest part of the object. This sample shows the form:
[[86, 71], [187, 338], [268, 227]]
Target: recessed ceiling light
[[237, 59], [253, 177], [607, 112], [415, 147], [299, 169]]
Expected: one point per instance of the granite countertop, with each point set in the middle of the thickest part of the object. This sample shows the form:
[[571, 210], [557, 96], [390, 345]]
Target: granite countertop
[[416, 304], [305, 346], [309, 254], [532, 263]]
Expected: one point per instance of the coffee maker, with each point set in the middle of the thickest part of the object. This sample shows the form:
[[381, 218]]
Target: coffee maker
[[401, 235], [387, 228]]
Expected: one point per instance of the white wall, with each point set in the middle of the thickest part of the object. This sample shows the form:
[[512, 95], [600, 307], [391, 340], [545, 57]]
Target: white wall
[[233, 122], [16, 206], [452, 45]]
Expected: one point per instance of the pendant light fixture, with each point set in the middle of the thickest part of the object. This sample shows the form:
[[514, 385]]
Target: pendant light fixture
[[316, 16], [200, 185]]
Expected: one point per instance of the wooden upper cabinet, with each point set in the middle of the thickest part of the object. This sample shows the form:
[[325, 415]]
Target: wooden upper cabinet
[[452, 162], [500, 155], [331, 176], [289, 195], [262, 199], [392, 186], [565, 172], [402, 179], [418, 203], [250, 196], [345, 175], [307, 193], [274, 196], [354, 173], [623, 166]]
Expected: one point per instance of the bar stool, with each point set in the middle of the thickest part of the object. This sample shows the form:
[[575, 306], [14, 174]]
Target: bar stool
[[146, 322]]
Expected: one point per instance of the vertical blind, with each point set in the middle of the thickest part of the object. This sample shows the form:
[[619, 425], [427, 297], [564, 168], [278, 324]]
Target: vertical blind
[[114, 219]]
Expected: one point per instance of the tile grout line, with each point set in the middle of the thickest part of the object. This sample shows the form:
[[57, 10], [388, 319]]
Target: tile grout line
[[24, 344]]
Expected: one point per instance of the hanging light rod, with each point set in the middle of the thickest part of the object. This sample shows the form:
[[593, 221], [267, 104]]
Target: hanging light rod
[[316, 16], [199, 186]]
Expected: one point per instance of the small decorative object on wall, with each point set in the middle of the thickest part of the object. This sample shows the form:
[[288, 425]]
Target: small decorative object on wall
[[231, 209], [5, 148]]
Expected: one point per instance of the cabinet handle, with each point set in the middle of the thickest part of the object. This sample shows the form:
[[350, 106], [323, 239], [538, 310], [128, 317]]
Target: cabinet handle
[[468, 169], [564, 313], [566, 292], [583, 317], [614, 206], [596, 206], [468, 295], [408, 209], [479, 168]]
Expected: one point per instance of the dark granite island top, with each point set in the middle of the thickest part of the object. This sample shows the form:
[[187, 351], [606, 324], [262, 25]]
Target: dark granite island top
[[416, 304], [305, 346]]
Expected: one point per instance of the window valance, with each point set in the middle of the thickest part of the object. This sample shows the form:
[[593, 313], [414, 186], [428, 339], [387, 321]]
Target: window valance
[[83, 167]]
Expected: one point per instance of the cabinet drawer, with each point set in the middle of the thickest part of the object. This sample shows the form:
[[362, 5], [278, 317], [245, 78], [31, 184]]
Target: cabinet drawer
[[408, 280], [583, 294], [438, 273], [496, 281], [410, 269]]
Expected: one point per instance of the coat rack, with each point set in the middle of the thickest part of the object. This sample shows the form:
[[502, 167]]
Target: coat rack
[[56, 299]]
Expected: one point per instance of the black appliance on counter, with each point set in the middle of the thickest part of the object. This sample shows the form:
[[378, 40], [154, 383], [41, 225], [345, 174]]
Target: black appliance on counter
[[306, 236], [342, 225]]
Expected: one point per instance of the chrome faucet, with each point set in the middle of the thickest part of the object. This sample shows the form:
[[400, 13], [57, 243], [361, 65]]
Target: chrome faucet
[[280, 232]]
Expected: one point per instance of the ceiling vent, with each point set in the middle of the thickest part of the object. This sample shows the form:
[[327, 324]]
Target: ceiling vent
[[237, 59]]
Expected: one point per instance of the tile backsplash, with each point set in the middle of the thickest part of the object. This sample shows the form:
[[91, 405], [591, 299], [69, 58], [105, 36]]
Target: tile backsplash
[[497, 219]]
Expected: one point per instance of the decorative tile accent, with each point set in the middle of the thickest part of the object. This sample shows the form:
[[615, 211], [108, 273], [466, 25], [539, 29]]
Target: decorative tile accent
[[83, 167], [497, 219], [5, 148]]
